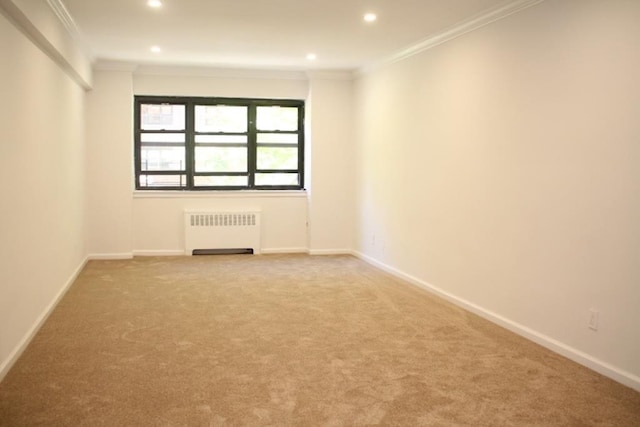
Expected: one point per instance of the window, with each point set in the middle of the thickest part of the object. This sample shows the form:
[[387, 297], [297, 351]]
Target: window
[[218, 143]]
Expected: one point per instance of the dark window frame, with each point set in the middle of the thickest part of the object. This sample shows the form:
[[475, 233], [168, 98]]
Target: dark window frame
[[188, 171]]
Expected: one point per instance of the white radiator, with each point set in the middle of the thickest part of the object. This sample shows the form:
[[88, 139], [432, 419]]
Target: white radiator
[[221, 231]]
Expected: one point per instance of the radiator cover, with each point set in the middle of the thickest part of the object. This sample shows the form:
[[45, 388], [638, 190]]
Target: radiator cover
[[221, 230]]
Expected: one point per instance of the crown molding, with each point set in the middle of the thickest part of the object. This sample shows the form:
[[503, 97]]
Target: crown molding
[[453, 32], [69, 56], [69, 24], [65, 18]]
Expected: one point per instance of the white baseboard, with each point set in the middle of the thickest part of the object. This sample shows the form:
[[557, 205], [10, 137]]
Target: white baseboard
[[606, 369], [330, 252], [124, 255], [17, 352], [264, 251], [149, 252], [270, 251]]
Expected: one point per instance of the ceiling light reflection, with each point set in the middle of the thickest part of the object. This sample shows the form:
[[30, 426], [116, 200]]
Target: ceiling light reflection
[[370, 17]]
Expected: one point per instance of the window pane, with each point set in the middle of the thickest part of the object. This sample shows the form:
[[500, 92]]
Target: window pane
[[277, 158], [162, 158], [277, 118], [221, 181], [277, 138], [222, 139], [163, 180], [162, 138], [200, 143], [221, 159], [277, 179], [221, 118], [162, 117]]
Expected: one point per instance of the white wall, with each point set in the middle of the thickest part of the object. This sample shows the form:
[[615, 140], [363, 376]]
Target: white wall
[[57, 38], [194, 81], [110, 164], [502, 168], [330, 166], [124, 222], [158, 221], [42, 219]]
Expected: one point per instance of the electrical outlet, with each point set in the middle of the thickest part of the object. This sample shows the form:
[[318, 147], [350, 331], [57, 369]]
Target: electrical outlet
[[593, 319]]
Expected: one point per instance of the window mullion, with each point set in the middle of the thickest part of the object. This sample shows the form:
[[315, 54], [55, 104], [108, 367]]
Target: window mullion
[[190, 144], [252, 144], [301, 144], [137, 152]]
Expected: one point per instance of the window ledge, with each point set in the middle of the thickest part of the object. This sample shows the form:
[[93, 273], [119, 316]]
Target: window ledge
[[234, 194]]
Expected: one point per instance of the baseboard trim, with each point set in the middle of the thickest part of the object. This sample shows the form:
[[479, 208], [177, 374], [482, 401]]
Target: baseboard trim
[[330, 252], [148, 252], [7, 364], [626, 378], [272, 251], [115, 256], [178, 252]]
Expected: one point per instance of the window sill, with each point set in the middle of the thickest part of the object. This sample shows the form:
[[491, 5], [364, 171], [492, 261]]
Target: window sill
[[234, 194]]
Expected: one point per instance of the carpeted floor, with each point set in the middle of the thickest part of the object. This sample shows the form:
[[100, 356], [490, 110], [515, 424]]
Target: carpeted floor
[[287, 340]]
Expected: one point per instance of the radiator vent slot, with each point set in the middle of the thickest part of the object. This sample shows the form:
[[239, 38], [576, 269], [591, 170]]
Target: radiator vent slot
[[223, 220], [247, 251], [207, 232]]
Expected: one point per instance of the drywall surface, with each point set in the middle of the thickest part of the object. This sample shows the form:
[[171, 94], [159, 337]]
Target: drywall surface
[[49, 27], [159, 221], [125, 222], [502, 168], [155, 223], [42, 220], [109, 164], [330, 164]]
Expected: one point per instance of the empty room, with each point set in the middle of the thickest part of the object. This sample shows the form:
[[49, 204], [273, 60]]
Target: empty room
[[336, 213]]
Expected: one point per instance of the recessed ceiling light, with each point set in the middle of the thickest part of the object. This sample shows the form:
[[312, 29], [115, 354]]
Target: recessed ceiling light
[[370, 17], [312, 56], [154, 3], [156, 49]]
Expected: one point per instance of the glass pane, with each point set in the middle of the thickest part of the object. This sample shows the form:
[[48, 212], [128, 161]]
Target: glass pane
[[220, 181], [162, 117], [277, 158], [277, 179], [162, 158], [221, 118], [221, 159], [277, 118], [162, 138], [163, 180], [222, 139], [277, 138]]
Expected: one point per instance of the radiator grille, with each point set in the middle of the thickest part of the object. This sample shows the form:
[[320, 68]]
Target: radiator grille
[[223, 220], [205, 231]]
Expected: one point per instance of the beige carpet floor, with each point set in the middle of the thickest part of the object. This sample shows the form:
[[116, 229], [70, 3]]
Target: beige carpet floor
[[287, 340]]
